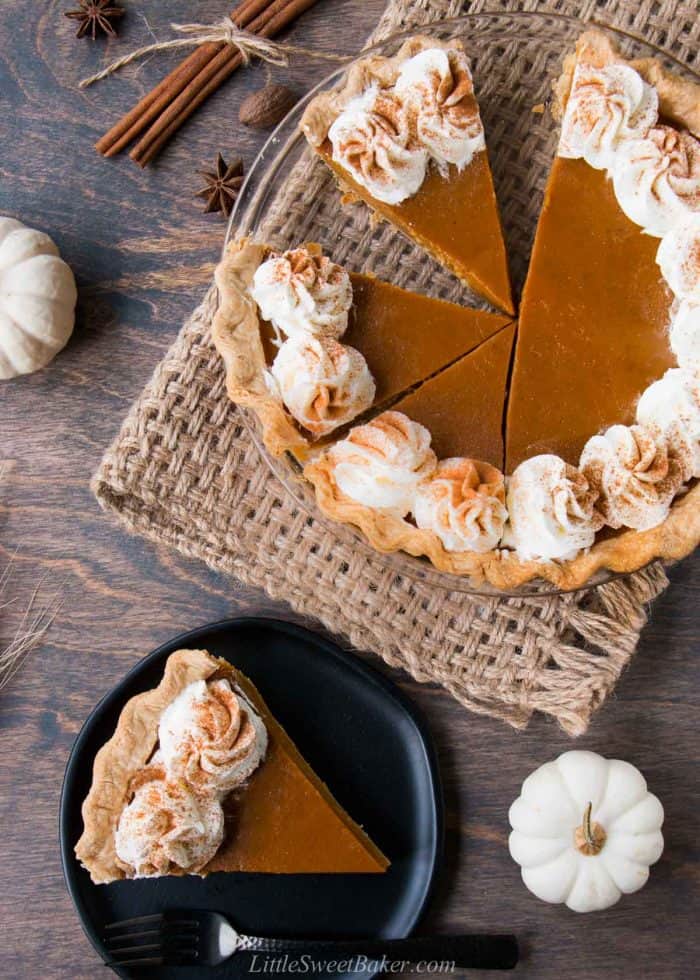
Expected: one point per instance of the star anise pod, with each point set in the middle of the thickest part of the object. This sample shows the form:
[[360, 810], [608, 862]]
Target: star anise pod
[[221, 186], [94, 16]]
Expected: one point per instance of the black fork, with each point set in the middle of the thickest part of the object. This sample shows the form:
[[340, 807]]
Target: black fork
[[186, 937]]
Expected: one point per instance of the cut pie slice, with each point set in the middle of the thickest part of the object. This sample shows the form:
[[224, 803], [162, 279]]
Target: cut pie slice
[[463, 406], [404, 135], [282, 819], [593, 327], [593, 332], [403, 337]]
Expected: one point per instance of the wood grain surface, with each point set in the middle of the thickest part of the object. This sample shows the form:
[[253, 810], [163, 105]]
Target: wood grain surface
[[143, 253]]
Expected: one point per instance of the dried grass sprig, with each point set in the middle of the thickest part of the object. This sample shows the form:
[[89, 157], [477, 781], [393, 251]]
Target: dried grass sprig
[[36, 620]]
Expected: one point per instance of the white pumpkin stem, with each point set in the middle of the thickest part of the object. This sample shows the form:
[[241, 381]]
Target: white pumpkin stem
[[590, 836]]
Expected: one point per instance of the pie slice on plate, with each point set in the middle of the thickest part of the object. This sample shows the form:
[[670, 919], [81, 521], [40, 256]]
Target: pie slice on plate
[[199, 777], [405, 136], [462, 407], [310, 347]]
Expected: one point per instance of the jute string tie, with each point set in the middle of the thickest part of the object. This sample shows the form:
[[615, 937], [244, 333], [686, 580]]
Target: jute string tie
[[248, 45]]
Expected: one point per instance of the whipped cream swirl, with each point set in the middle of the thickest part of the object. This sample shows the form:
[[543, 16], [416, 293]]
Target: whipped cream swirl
[[657, 178], [372, 140], [437, 87], [166, 827], [386, 136], [302, 292], [679, 258], [606, 106], [211, 737], [382, 463], [684, 335], [671, 406], [324, 384], [551, 510], [464, 504], [630, 468]]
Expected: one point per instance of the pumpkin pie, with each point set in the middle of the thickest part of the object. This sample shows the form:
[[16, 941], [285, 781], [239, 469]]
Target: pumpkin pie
[[310, 347], [405, 136], [603, 400], [199, 777]]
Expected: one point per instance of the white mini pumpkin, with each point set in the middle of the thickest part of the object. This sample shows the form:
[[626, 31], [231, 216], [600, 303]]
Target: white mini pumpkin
[[585, 830], [37, 299]]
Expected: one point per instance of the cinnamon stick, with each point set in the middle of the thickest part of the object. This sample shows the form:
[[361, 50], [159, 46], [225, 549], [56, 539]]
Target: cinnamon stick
[[152, 104], [278, 15]]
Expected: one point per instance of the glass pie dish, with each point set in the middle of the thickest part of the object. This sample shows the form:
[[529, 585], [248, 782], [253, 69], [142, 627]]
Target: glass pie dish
[[289, 197]]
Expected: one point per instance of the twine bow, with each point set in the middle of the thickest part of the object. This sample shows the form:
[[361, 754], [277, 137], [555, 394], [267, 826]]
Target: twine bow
[[225, 31]]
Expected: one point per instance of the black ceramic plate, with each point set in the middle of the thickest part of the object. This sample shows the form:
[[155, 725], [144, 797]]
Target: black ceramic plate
[[360, 734]]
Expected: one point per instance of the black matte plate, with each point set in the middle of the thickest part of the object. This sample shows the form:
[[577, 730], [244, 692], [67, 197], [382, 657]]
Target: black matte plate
[[360, 734]]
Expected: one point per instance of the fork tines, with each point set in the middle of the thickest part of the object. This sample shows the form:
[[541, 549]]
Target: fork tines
[[148, 940]]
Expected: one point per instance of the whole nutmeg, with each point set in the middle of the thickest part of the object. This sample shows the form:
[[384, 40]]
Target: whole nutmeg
[[266, 107]]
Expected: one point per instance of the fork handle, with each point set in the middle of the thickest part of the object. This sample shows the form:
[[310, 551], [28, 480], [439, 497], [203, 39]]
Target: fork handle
[[483, 952]]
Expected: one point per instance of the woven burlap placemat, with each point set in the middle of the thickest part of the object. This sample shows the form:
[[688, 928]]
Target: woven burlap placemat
[[184, 471]]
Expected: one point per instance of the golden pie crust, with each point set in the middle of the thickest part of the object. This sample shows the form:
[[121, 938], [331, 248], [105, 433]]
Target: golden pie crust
[[236, 334], [626, 551]]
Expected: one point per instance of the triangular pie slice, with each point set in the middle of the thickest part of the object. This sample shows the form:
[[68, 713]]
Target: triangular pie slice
[[404, 337], [282, 820], [593, 326], [420, 99], [462, 407]]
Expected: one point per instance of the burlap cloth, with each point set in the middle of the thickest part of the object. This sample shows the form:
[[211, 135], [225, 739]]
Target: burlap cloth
[[184, 471]]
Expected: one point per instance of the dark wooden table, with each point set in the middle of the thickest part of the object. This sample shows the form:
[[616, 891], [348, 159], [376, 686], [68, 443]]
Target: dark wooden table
[[143, 254]]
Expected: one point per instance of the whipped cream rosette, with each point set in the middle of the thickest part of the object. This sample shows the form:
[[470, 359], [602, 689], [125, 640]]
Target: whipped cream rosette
[[167, 827], [386, 135], [372, 140], [657, 178], [211, 737], [672, 406], [437, 87], [323, 384], [684, 335], [635, 477], [679, 258], [303, 292], [463, 502], [606, 106], [551, 510], [382, 463]]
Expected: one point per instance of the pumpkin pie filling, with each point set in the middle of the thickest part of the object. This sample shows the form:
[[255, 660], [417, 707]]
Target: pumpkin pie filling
[[462, 407], [454, 217]]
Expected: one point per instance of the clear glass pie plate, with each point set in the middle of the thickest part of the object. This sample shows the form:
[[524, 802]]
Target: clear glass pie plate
[[290, 197]]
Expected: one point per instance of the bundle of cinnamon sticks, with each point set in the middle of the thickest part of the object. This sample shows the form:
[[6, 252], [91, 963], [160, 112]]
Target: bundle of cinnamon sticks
[[159, 115]]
